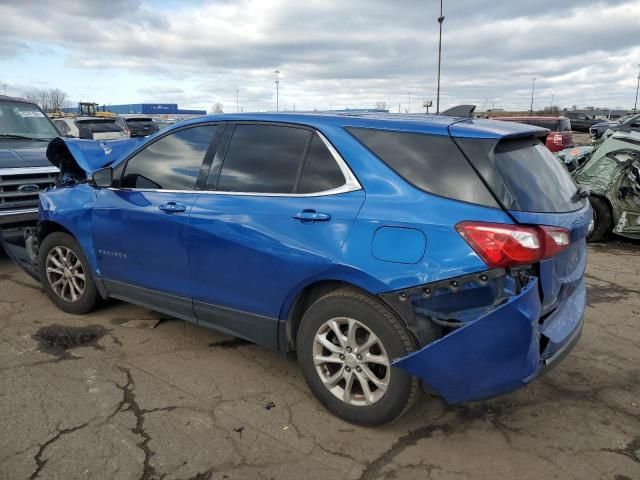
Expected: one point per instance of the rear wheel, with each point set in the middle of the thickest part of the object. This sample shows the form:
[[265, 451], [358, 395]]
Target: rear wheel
[[602, 219], [346, 343], [65, 274]]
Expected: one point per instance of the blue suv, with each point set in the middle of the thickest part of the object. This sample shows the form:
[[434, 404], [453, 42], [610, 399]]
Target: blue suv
[[387, 251]]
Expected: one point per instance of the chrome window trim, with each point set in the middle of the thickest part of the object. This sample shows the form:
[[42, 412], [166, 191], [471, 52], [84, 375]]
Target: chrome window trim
[[26, 170], [351, 182]]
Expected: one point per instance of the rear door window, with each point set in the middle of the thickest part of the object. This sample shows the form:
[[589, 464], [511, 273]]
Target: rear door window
[[263, 159], [320, 172], [432, 163]]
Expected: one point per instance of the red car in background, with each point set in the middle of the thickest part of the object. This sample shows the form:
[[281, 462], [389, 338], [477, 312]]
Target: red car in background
[[559, 136]]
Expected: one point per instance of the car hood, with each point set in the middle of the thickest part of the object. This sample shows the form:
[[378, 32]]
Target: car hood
[[23, 154], [83, 157], [605, 124]]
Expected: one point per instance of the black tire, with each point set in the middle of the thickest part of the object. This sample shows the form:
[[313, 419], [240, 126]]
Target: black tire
[[90, 297], [402, 390], [602, 219]]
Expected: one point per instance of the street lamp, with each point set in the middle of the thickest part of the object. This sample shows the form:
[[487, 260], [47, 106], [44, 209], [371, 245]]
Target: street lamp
[[635, 105], [277, 72], [440, 20], [533, 89]]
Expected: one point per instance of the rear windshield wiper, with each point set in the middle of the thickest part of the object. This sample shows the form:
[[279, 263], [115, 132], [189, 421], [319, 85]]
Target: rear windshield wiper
[[581, 192], [25, 137]]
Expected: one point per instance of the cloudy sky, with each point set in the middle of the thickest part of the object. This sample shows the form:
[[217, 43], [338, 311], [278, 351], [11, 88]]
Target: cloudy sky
[[331, 53]]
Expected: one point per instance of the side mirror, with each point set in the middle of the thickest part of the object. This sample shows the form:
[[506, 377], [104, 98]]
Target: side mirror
[[85, 133], [102, 178]]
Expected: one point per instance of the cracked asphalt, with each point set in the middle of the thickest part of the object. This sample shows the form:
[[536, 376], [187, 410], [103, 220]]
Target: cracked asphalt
[[106, 396]]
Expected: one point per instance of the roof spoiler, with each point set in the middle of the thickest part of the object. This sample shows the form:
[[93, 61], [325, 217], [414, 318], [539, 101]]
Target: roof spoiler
[[460, 111]]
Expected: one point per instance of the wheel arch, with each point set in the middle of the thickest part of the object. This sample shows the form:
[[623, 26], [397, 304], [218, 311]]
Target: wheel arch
[[304, 295]]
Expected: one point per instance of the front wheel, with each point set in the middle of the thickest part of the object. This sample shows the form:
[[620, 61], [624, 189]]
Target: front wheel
[[346, 343], [65, 274]]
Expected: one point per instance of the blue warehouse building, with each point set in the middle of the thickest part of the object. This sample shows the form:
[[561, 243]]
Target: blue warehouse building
[[144, 109]]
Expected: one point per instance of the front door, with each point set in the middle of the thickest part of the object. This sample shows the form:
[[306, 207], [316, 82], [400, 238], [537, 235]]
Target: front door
[[281, 206], [140, 226]]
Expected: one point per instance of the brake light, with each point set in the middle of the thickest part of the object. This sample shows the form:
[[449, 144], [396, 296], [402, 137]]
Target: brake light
[[502, 245]]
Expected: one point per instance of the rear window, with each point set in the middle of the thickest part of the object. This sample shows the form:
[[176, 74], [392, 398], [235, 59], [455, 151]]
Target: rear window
[[97, 126], [432, 163], [535, 177], [139, 120]]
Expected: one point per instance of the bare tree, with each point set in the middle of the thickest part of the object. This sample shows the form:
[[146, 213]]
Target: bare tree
[[57, 99], [49, 100], [217, 108], [381, 105]]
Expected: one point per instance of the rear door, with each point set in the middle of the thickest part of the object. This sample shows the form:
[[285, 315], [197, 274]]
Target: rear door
[[280, 205], [139, 227]]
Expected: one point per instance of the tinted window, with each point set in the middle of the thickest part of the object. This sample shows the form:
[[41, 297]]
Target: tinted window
[[535, 177], [263, 159], [320, 171], [98, 126], [430, 162], [171, 163]]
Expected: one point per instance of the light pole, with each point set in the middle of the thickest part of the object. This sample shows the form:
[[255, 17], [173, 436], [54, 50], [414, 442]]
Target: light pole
[[277, 72], [409, 102], [440, 20], [552, 101], [635, 105], [5, 90], [533, 89], [237, 100]]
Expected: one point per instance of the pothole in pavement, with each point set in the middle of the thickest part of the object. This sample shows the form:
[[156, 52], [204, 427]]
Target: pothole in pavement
[[59, 339]]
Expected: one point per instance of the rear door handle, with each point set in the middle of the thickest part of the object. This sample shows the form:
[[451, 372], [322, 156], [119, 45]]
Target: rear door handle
[[312, 216], [173, 207]]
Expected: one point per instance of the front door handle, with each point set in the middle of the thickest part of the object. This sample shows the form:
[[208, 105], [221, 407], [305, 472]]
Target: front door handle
[[173, 207], [307, 216]]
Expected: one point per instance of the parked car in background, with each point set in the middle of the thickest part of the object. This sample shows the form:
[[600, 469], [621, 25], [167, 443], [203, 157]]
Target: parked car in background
[[90, 128], [612, 174], [580, 122], [630, 123], [25, 172], [141, 126], [559, 136], [345, 238]]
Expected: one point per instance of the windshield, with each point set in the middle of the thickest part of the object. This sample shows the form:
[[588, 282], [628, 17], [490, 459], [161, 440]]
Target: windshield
[[25, 120], [630, 119]]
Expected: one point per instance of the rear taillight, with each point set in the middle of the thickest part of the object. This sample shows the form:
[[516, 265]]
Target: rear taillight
[[502, 245], [556, 138]]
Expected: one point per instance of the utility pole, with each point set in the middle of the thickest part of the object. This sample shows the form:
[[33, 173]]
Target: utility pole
[[237, 100], [533, 89], [440, 20], [277, 72], [635, 105]]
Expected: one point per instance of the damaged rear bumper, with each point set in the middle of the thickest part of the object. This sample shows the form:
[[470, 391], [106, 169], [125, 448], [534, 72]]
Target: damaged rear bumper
[[502, 350]]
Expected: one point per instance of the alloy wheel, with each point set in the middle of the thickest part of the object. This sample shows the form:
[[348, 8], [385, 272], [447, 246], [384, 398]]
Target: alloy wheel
[[351, 361], [65, 274]]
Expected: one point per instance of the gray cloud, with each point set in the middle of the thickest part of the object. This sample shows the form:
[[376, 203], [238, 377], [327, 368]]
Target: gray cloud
[[345, 54]]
